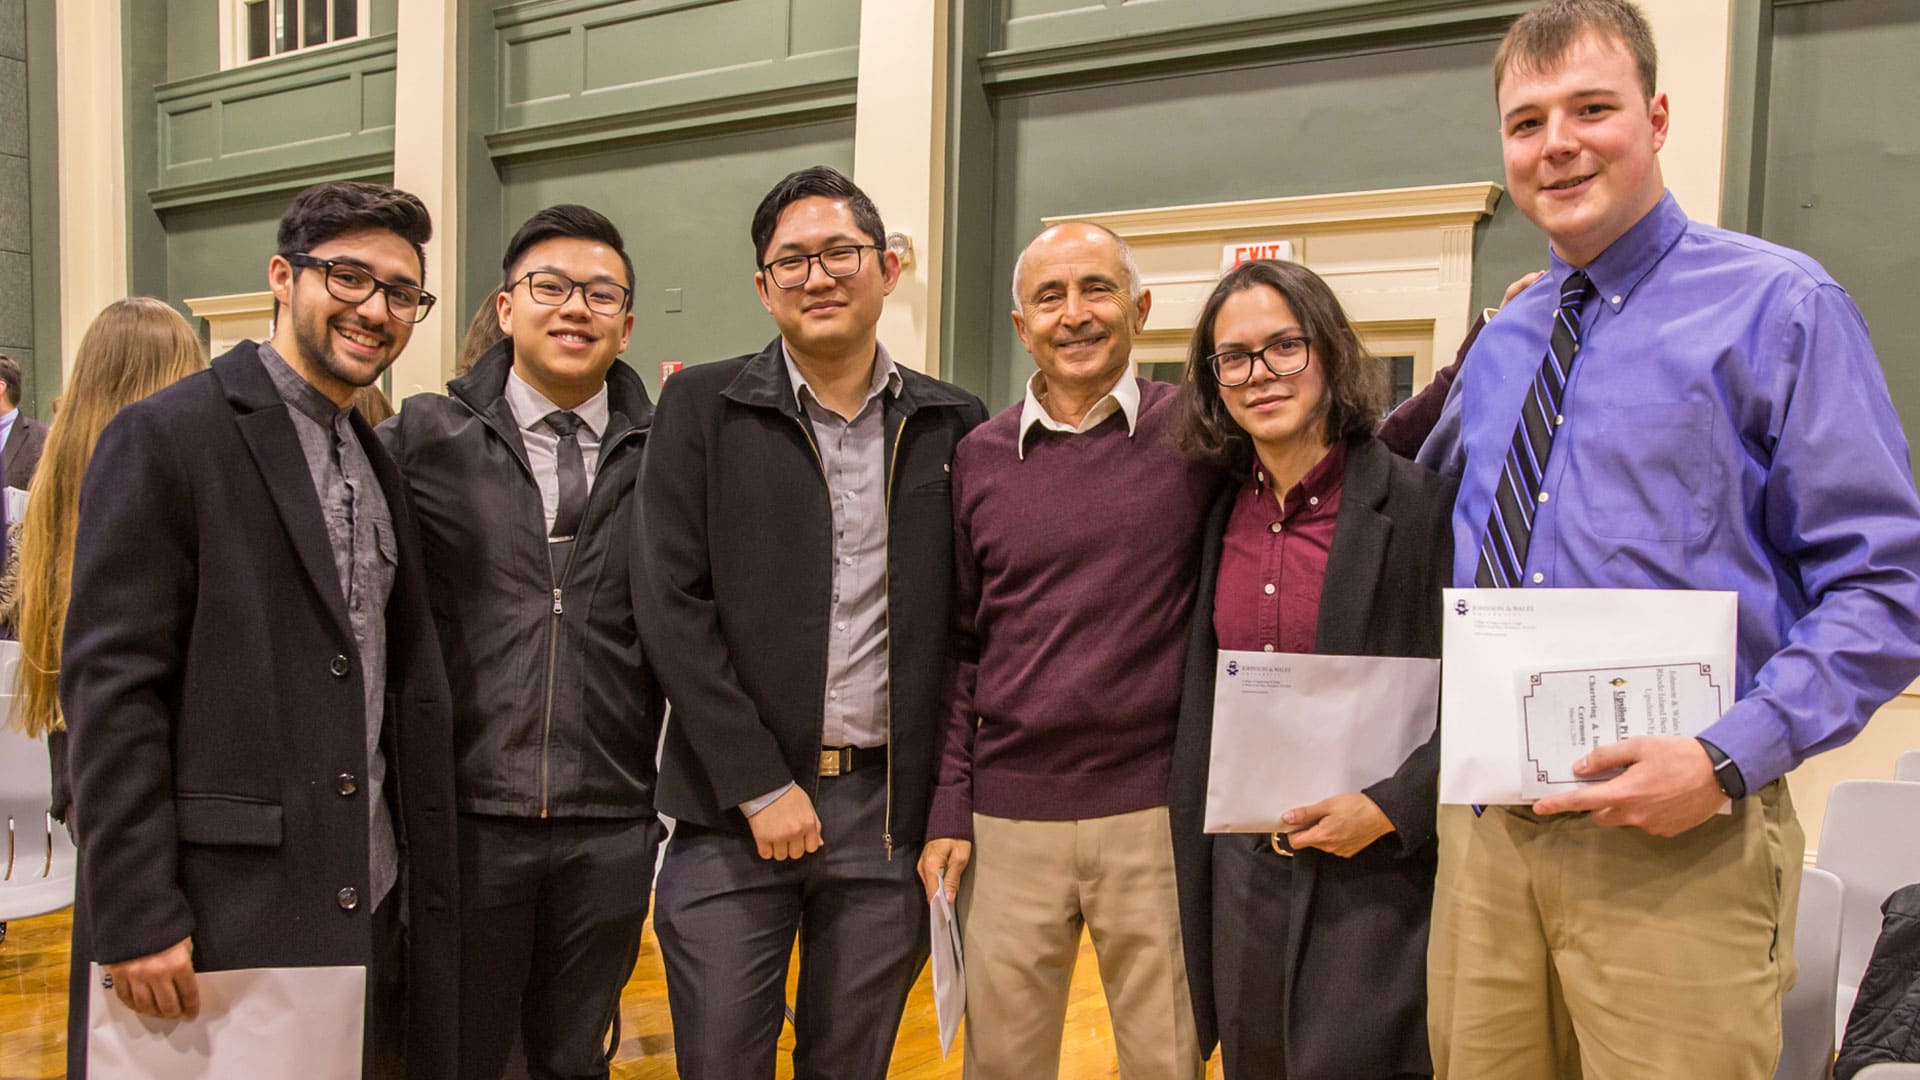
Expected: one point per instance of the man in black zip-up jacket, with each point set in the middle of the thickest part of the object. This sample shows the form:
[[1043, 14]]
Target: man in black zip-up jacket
[[796, 546], [524, 479]]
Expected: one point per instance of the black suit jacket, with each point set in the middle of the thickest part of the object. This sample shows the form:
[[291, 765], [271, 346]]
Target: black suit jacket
[[1357, 942], [21, 456], [735, 568], [216, 717]]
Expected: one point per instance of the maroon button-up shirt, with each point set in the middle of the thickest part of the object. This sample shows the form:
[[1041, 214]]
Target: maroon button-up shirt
[[1273, 560]]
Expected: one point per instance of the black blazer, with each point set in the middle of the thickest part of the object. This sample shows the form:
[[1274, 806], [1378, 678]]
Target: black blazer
[[1357, 944], [216, 717], [735, 560], [21, 456]]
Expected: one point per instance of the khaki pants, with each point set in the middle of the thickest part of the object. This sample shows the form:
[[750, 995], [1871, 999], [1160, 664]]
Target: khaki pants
[[1029, 889], [1562, 949]]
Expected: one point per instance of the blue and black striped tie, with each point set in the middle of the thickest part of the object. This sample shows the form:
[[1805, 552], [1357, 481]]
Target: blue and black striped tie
[[1503, 552]]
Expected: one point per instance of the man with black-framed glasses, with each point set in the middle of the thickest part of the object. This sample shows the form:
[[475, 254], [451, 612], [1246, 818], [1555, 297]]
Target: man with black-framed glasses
[[260, 745], [796, 539], [524, 477]]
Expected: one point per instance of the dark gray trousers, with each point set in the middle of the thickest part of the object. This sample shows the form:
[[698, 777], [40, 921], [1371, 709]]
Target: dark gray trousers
[[726, 920], [550, 915]]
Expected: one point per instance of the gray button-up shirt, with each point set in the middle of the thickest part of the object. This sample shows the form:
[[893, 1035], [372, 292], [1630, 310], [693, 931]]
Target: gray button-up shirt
[[360, 532], [853, 454]]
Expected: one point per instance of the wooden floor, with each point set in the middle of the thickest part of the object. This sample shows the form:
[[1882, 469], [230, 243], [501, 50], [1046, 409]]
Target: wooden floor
[[33, 1016]]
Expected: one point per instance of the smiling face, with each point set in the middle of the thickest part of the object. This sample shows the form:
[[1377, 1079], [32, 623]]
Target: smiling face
[[1075, 316], [1581, 143], [1276, 413], [336, 345], [827, 317], [565, 351]]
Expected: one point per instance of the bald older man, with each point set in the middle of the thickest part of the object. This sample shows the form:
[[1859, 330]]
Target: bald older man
[[1075, 555]]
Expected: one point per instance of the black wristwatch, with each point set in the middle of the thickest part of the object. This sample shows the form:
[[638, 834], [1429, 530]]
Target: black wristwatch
[[1725, 772]]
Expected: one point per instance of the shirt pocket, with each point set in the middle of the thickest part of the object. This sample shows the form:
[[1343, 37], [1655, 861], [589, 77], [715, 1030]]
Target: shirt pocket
[[1646, 472]]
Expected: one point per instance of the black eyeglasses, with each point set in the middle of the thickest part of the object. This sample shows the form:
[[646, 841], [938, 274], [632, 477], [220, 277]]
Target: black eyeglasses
[[554, 290], [793, 271], [353, 284], [1234, 367]]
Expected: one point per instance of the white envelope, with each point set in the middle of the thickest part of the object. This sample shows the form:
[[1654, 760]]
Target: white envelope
[[1497, 640], [303, 1023], [1291, 729], [949, 970]]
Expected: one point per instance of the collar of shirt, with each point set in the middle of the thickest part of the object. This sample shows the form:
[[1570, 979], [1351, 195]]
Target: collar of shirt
[[1314, 489], [6, 421], [886, 376], [1124, 397], [298, 393], [530, 406], [1621, 267]]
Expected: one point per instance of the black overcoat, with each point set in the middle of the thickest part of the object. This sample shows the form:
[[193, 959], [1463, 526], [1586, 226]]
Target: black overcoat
[[218, 724], [1356, 1001]]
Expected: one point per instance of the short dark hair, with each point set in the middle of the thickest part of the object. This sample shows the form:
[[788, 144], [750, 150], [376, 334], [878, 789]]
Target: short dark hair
[[817, 182], [338, 207], [10, 371], [1539, 39], [566, 221], [1357, 386]]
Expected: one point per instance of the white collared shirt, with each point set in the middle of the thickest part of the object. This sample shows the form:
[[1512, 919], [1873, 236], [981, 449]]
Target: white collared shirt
[[1124, 397], [530, 407]]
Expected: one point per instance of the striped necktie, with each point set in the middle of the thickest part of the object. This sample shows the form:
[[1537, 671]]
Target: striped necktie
[[1503, 552]]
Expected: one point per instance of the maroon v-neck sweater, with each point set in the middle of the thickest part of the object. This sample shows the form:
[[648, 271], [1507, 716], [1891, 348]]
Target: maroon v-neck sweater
[[1074, 582]]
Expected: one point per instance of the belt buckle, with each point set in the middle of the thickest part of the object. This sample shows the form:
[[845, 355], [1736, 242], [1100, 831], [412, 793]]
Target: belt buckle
[[1273, 841], [832, 762]]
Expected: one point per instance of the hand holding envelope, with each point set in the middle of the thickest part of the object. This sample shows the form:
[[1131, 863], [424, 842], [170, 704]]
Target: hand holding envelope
[[1293, 729], [1548, 689], [949, 972], [254, 1024]]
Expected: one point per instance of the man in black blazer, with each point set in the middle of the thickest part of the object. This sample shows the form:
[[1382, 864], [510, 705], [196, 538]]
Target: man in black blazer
[[796, 542], [22, 438], [260, 736]]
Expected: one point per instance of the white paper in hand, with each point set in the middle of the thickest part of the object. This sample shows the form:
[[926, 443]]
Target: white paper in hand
[[303, 1023], [949, 970], [1290, 729]]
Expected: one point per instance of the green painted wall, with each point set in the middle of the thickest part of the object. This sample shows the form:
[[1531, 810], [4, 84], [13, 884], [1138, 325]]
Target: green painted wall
[[684, 208], [43, 183], [192, 36], [1843, 163], [1405, 117], [16, 205]]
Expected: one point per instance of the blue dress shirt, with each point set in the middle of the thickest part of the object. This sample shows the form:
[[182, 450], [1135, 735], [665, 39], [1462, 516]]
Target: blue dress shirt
[[1726, 426]]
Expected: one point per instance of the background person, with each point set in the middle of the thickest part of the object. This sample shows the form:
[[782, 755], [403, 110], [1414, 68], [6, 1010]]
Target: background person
[[1306, 951]]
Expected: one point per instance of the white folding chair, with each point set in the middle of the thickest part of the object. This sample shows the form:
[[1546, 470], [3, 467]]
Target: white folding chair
[[1806, 1014], [1869, 841], [1908, 767], [37, 864]]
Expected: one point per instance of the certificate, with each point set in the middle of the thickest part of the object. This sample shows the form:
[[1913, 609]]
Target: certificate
[[1568, 713], [1290, 729], [1518, 708], [254, 1024]]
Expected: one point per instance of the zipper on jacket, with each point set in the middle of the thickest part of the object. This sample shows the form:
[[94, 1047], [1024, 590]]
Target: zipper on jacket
[[553, 636], [886, 600], [819, 743]]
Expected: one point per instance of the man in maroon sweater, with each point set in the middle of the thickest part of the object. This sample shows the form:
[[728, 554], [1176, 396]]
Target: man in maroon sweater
[[1075, 556]]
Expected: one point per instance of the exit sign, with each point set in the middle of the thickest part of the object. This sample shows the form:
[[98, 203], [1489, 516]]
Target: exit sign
[[1233, 255]]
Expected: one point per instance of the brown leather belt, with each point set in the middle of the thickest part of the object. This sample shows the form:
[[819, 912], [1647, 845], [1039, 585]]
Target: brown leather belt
[[837, 760]]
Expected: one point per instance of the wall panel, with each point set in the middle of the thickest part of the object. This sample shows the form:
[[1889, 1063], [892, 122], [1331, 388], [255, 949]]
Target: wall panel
[[1843, 164]]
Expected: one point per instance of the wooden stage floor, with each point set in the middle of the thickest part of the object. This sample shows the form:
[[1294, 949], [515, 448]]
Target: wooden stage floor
[[33, 1016]]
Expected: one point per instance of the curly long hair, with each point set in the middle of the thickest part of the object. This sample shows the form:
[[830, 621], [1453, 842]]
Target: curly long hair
[[1357, 384], [134, 347]]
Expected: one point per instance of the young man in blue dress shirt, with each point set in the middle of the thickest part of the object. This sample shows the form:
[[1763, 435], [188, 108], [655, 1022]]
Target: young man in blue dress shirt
[[1725, 425]]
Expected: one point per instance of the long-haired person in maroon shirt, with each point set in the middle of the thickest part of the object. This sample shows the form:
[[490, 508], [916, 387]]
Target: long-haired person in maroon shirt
[[1306, 952]]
